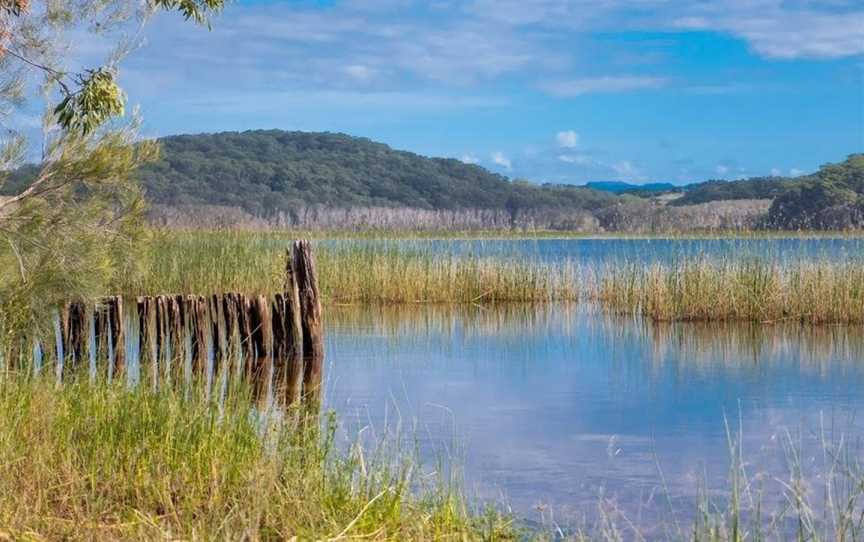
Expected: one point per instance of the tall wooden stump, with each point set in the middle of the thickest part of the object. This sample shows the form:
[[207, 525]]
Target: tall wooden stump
[[310, 322], [289, 338], [263, 340], [118, 336]]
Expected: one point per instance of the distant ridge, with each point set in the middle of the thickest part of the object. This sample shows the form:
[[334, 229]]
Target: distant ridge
[[620, 187]]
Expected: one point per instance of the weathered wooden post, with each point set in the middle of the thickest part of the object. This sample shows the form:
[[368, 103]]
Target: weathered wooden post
[[202, 334], [118, 339], [263, 333], [310, 322], [291, 343], [277, 342]]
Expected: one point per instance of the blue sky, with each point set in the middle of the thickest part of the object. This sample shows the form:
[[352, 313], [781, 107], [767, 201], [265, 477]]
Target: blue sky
[[549, 90]]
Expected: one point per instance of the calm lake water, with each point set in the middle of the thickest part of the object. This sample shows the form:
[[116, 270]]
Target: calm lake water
[[555, 410]]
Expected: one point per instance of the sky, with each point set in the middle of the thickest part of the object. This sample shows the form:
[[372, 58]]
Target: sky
[[561, 91]]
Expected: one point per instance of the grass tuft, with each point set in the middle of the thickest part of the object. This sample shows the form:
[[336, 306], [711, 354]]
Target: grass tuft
[[91, 461]]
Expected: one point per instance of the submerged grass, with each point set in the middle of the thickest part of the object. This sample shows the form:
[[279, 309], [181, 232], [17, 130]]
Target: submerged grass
[[99, 461], [758, 291]]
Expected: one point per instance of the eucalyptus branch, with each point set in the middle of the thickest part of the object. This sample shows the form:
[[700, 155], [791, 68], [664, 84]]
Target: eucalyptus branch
[[20, 260], [31, 191], [58, 75]]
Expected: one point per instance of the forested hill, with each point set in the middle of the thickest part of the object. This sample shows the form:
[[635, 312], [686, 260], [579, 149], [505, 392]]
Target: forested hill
[[831, 198], [334, 180], [265, 171]]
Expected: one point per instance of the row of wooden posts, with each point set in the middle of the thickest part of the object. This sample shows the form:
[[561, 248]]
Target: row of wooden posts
[[275, 342]]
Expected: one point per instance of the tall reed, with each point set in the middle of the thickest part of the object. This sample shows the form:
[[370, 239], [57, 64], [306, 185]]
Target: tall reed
[[820, 292], [209, 262]]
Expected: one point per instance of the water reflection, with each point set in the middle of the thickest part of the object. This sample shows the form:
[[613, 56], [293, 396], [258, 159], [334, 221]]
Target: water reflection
[[556, 406]]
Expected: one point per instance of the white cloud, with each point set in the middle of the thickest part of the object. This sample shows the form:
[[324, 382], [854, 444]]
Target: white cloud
[[469, 159], [567, 139], [598, 85], [776, 172], [360, 72], [795, 172], [499, 158], [722, 170], [782, 30], [575, 159], [626, 170]]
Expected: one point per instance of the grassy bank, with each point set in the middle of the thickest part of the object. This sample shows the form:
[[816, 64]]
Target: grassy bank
[[757, 291], [96, 461], [207, 262]]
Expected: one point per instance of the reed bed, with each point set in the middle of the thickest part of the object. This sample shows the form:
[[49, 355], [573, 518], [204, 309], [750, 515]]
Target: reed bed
[[211, 262], [391, 275], [820, 292], [99, 461], [361, 272]]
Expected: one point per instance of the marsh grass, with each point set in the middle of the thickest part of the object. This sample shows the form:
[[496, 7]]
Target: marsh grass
[[745, 289], [821, 292], [367, 274], [96, 461], [210, 262]]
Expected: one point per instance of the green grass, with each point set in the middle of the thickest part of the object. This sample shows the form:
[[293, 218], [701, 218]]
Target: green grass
[[757, 291], [95, 461]]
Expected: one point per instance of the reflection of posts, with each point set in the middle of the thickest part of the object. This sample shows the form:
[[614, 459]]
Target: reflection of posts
[[311, 322]]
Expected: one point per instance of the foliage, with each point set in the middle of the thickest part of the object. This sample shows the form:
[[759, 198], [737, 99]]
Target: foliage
[[73, 229], [832, 198], [73, 219], [98, 99], [714, 190], [196, 10]]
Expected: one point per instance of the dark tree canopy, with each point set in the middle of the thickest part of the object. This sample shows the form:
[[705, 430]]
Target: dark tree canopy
[[714, 190], [831, 198]]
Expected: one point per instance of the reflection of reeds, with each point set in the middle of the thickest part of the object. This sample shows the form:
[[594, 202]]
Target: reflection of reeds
[[694, 345], [744, 345], [756, 291], [472, 320]]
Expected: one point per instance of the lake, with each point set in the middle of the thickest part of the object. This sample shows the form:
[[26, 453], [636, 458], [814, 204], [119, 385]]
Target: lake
[[559, 411]]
